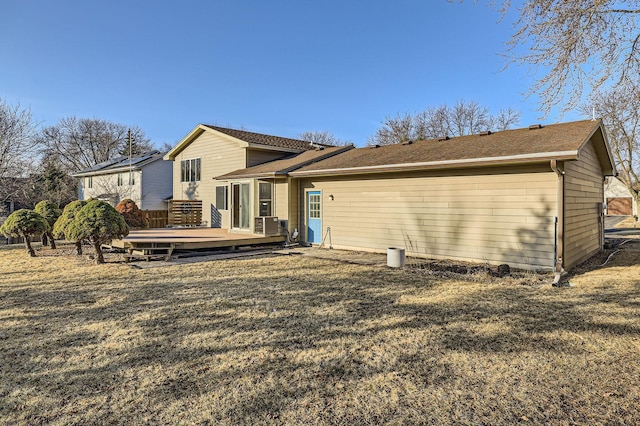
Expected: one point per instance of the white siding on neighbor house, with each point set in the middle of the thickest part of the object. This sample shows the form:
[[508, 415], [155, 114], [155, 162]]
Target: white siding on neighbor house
[[499, 215], [583, 193], [108, 184], [157, 185], [218, 156]]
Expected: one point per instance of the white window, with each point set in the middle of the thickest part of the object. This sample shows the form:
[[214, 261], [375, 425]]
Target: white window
[[190, 170], [222, 197]]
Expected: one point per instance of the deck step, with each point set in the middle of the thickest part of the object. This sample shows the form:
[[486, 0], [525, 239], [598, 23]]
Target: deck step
[[148, 251]]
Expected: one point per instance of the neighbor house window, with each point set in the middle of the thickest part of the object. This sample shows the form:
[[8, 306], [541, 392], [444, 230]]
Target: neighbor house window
[[89, 182], [128, 177], [221, 197], [190, 170], [265, 199]]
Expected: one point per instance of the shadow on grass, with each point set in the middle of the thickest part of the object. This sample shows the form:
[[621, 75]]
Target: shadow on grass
[[283, 335]]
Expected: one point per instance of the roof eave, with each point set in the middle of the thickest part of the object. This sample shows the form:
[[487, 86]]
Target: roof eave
[[108, 171], [275, 148], [442, 165], [251, 176], [604, 155]]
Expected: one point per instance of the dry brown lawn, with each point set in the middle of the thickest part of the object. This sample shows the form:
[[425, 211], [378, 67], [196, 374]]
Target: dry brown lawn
[[296, 340]]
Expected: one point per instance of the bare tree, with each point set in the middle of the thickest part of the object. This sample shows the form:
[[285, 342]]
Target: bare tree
[[464, 118], [79, 143], [580, 45], [17, 150], [398, 129], [322, 138], [619, 108], [505, 119]]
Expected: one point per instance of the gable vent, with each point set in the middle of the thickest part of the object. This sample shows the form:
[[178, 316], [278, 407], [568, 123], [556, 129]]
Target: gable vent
[[535, 126]]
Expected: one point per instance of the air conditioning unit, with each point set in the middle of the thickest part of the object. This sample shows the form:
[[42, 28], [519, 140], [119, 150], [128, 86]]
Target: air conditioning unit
[[267, 225]]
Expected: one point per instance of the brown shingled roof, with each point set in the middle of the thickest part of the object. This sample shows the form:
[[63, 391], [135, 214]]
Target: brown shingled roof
[[261, 139], [559, 141], [286, 165]]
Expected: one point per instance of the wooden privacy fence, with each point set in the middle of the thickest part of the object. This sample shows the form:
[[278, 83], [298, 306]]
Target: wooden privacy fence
[[157, 218], [185, 213]]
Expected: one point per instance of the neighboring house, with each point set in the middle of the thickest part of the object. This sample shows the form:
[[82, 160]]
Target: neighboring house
[[618, 199], [146, 179], [210, 151], [530, 197], [13, 194]]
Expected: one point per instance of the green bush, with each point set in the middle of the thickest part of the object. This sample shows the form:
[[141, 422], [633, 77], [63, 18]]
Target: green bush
[[67, 216], [50, 212], [98, 223], [26, 224]]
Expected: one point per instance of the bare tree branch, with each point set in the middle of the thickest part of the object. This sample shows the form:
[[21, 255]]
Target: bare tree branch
[[464, 118]]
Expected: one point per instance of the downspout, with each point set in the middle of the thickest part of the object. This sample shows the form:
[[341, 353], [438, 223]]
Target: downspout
[[559, 243]]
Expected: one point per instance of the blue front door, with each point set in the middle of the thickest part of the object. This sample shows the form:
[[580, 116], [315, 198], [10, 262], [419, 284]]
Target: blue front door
[[314, 217]]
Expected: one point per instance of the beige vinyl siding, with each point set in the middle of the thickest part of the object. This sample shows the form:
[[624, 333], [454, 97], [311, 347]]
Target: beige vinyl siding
[[281, 199], [295, 210], [255, 156], [218, 156], [500, 216], [583, 192], [155, 183]]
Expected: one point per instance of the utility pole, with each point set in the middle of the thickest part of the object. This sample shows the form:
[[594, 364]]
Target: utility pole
[[130, 151]]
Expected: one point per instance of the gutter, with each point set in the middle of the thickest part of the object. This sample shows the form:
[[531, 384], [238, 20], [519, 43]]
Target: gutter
[[558, 168], [443, 164], [106, 172]]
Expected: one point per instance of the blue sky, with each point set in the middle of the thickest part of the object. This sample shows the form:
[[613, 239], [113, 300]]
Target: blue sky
[[279, 67]]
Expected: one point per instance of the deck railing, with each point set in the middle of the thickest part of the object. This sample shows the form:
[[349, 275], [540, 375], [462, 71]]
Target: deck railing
[[185, 213]]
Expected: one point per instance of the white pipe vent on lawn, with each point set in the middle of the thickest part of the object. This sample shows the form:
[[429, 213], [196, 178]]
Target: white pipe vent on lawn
[[395, 257]]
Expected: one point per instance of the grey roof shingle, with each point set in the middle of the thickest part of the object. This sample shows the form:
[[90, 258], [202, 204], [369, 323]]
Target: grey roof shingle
[[286, 165], [539, 142]]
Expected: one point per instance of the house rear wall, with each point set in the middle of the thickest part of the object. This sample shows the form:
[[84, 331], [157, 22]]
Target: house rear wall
[[583, 193], [499, 215], [218, 156]]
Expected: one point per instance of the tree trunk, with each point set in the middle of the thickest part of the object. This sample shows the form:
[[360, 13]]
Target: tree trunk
[[79, 248], [99, 256], [27, 243], [52, 241], [44, 239]]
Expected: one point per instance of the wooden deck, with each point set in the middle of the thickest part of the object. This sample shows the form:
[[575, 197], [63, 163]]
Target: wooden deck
[[150, 243]]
